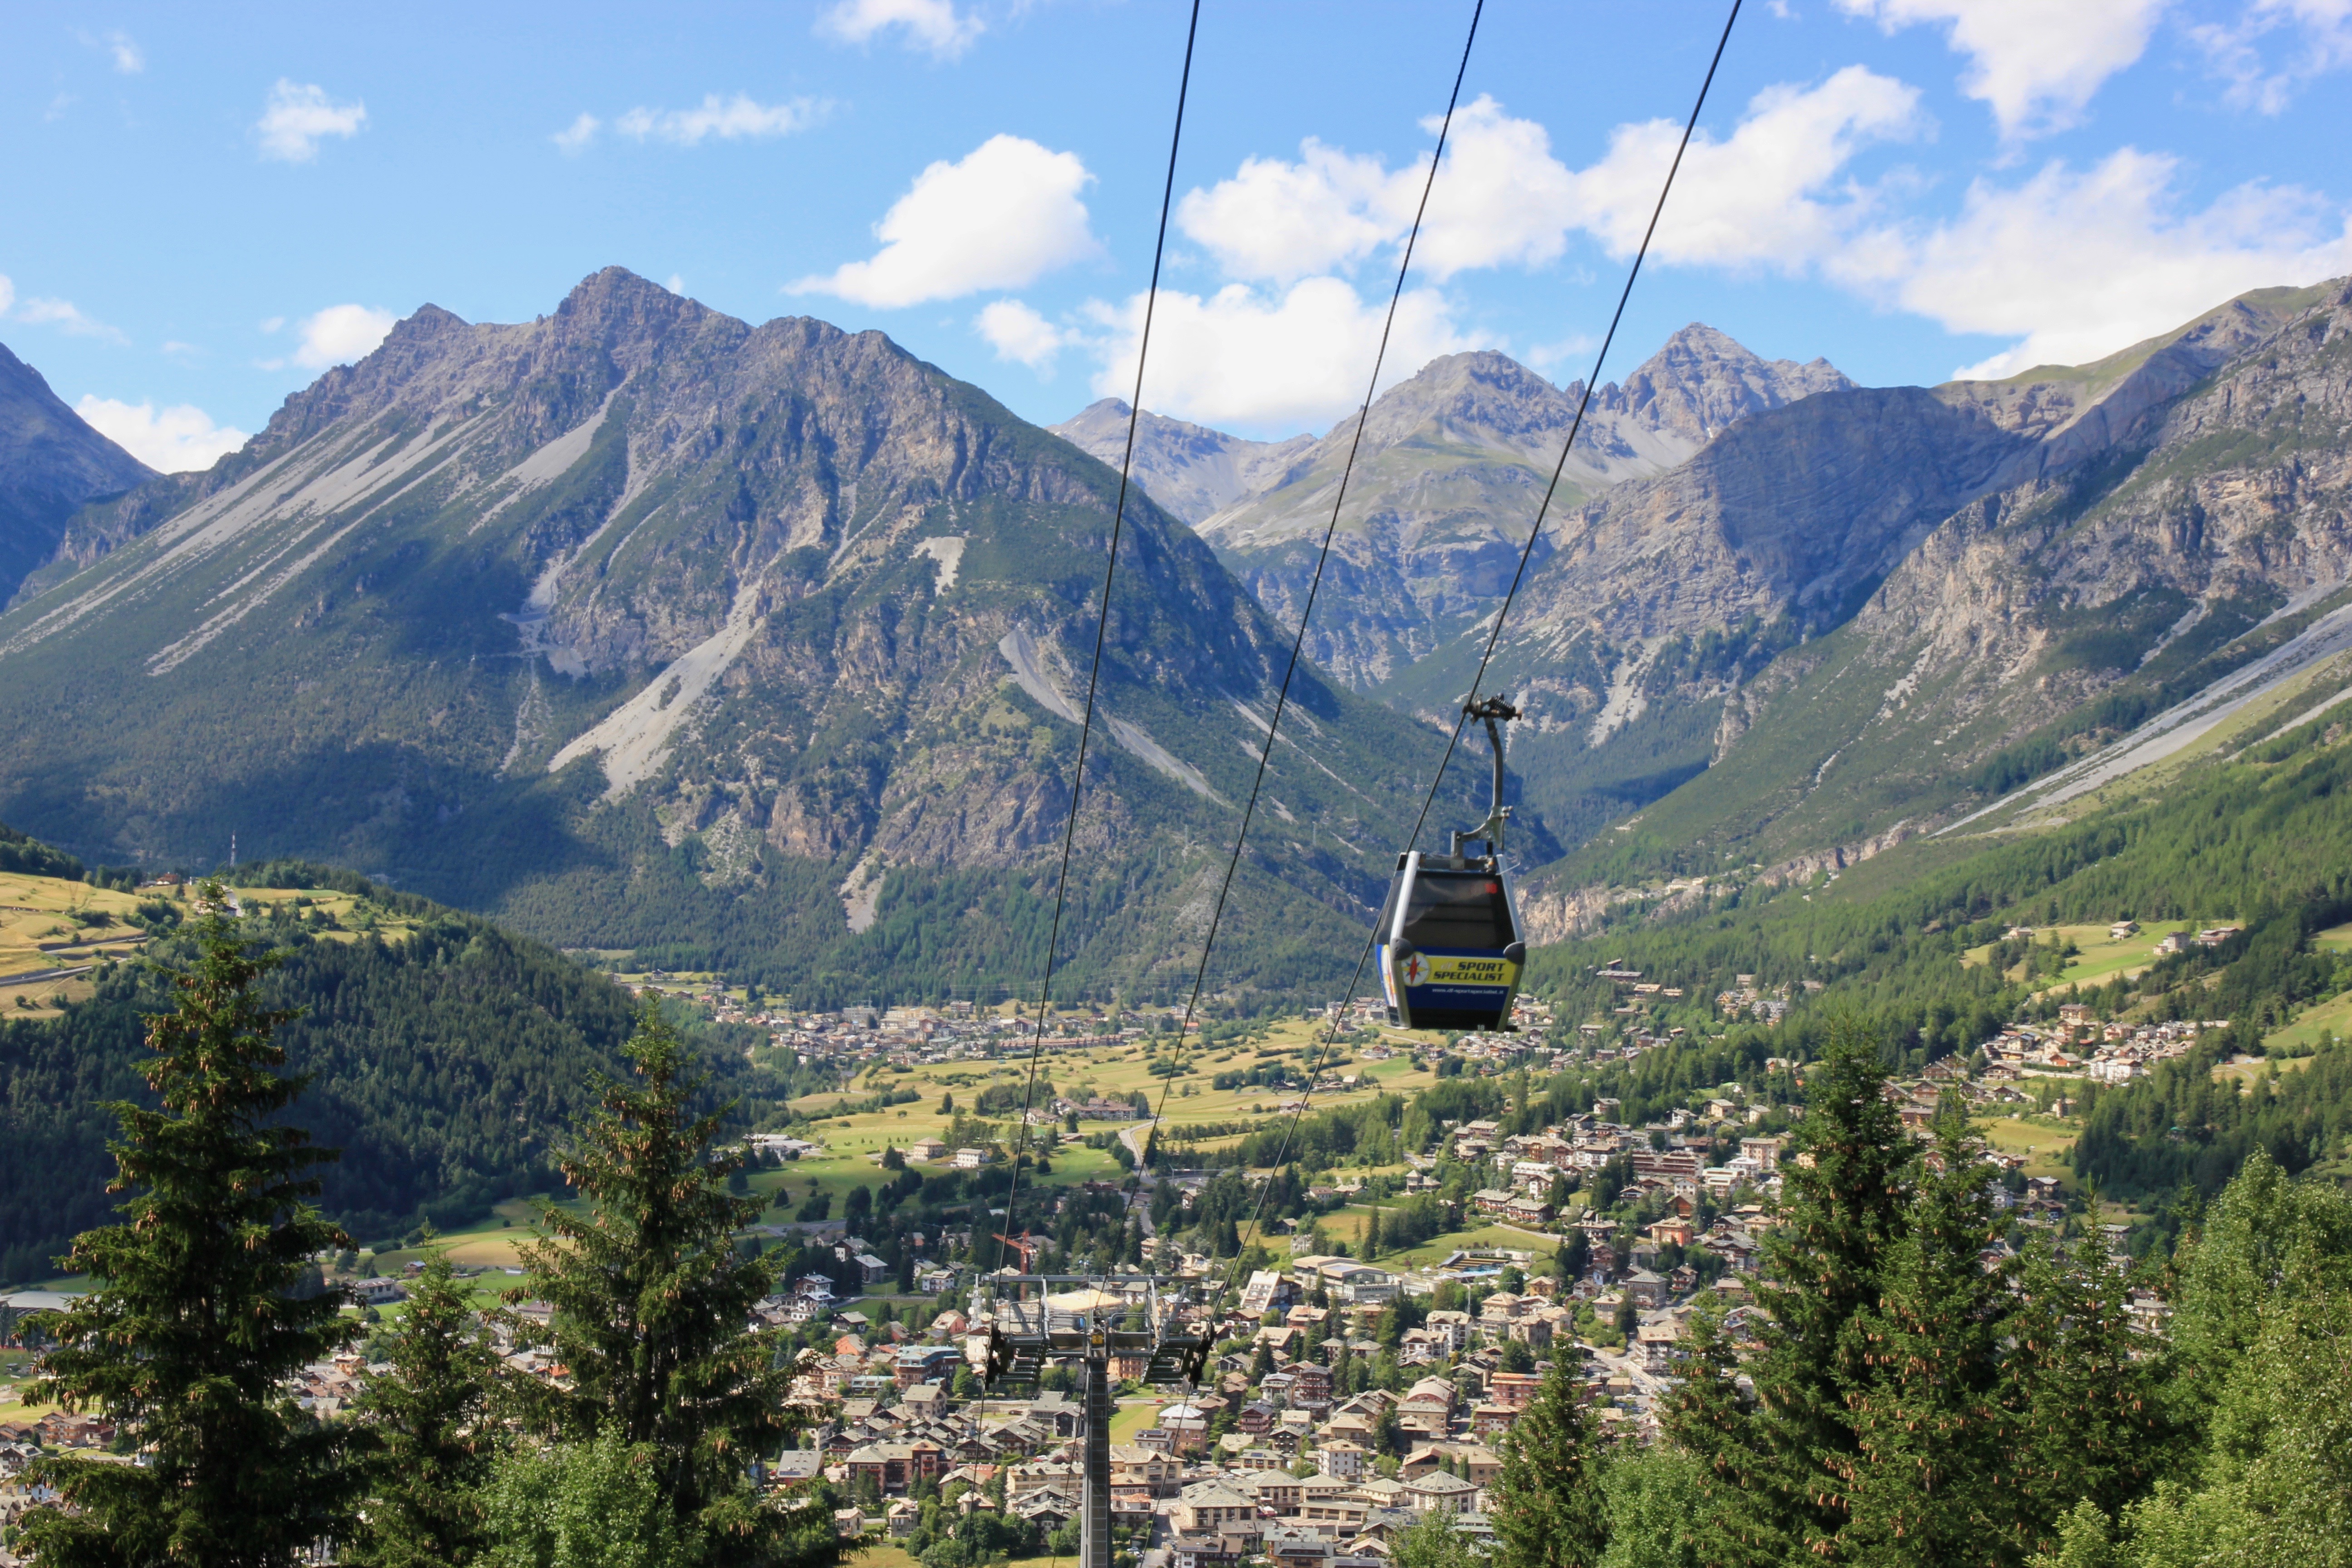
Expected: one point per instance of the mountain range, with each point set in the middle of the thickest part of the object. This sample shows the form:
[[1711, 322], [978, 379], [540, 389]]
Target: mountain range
[[645, 628], [1446, 481], [764, 647]]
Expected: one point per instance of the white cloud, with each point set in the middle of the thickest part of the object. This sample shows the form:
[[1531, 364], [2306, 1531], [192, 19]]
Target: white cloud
[[932, 24], [1763, 197], [2321, 41], [1001, 218], [8, 293], [1282, 222], [677, 284], [1235, 358], [1755, 199], [737, 119], [1018, 333], [577, 135], [125, 52], [172, 440], [340, 334], [2081, 265], [1501, 199], [64, 315], [2035, 62], [299, 116]]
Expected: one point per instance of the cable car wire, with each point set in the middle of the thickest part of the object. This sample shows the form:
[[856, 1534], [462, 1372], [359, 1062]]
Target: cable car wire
[[1315, 583], [1102, 622], [1501, 615]]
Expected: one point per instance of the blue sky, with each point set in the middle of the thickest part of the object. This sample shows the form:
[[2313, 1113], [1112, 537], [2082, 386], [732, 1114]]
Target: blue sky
[[208, 205]]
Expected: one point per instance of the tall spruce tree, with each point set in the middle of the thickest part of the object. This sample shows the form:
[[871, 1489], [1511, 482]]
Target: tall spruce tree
[[434, 1418], [651, 1304], [192, 1325], [1737, 1521], [1552, 1513], [1846, 1190], [2084, 1388], [1932, 1436]]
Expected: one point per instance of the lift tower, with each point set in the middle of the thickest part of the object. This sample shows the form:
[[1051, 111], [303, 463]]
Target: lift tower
[[1090, 1319]]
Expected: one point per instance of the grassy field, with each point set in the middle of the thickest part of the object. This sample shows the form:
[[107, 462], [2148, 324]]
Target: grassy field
[[46, 922], [853, 1144], [2331, 1016], [14, 1365], [2041, 1138], [1134, 1415], [2101, 957], [76, 923]]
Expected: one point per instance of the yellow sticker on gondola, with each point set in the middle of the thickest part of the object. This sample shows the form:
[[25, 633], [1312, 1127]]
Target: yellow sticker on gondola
[[1453, 969]]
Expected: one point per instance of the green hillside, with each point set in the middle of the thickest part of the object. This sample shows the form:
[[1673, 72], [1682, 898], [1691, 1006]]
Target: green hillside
[[1914, 938], [445, 1055]]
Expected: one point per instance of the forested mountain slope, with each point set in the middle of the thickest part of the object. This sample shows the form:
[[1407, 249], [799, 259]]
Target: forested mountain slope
[[446, 1056], [645, 628], [1917, 938]]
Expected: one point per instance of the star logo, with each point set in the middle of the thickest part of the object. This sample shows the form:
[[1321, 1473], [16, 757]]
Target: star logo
[[1415, 970]]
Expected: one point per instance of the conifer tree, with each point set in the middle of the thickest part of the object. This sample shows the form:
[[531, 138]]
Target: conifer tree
[[193, 1324], [651, 1303], [2085, 1390], [1553, 1513], [1932, 1436], [433, 1422], [1846, 1189], [1705, 1418]]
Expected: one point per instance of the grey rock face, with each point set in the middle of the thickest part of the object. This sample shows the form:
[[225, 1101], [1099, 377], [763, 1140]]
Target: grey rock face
[[2045, 560], [51, 465], [1448, 479], [1191, 470]]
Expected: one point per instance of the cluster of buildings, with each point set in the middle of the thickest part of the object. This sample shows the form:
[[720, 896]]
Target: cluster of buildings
[[1526, 1165], [2081, 1042], [1281, 1454]]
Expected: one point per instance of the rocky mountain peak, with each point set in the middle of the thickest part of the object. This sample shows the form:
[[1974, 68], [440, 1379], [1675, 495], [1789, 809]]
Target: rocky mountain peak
[[1701, 381], [51, 464], [1190, 469], [1483, 396]]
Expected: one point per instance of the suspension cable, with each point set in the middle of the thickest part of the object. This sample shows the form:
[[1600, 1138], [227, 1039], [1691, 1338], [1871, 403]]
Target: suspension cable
[[1102, 622], [1315, 582], [1690, 127]]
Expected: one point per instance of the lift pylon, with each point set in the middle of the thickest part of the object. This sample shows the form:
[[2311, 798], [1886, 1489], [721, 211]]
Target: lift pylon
[[1090, 1319]]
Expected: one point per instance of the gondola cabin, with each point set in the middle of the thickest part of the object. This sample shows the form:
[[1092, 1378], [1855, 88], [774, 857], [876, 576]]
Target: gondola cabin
[[1451, 952]]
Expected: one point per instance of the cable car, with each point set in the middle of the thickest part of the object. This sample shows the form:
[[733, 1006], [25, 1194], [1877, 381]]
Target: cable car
[[1451, 948]]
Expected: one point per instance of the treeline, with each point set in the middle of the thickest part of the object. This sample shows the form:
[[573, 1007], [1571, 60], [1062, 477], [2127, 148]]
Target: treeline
[[645, 1453], [28, 856], [443, 1064]]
